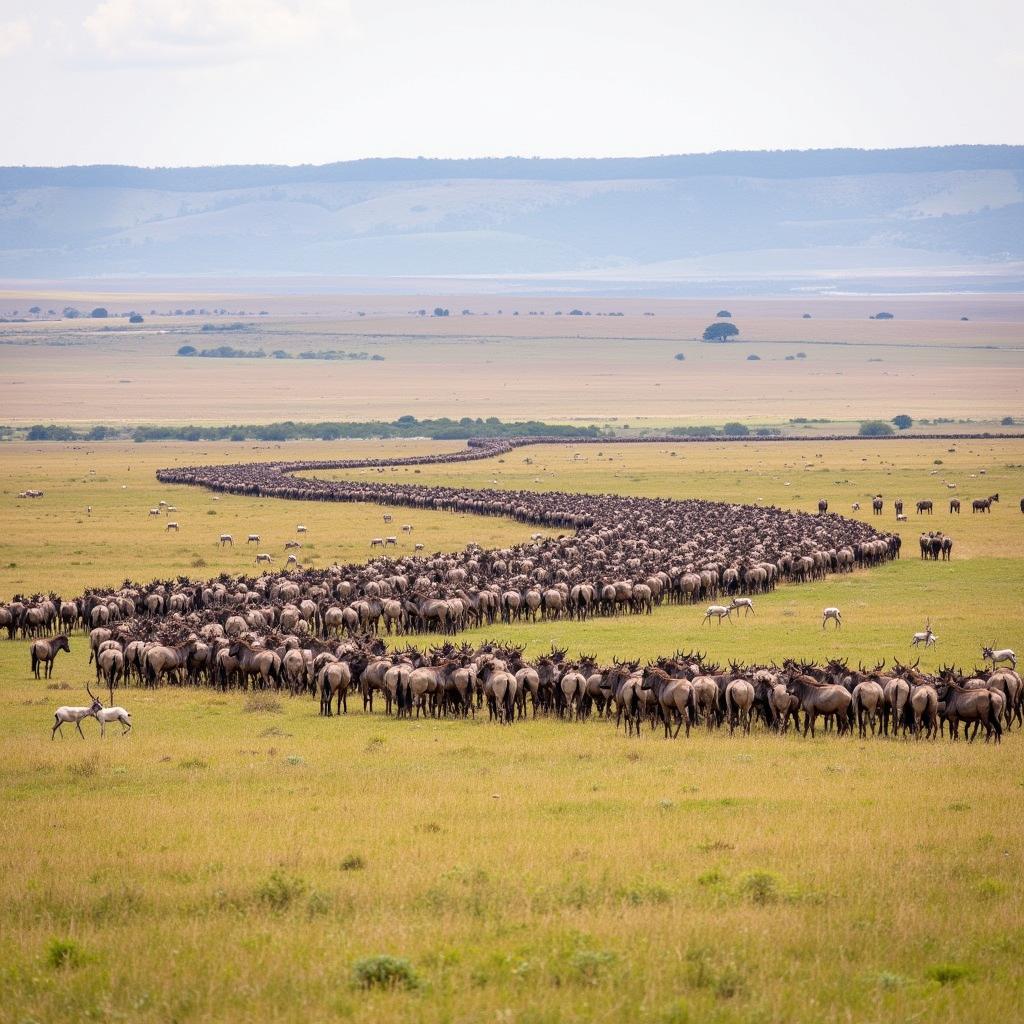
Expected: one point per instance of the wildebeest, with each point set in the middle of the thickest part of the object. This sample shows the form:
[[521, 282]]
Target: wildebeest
[[924, 506], [44, 652]]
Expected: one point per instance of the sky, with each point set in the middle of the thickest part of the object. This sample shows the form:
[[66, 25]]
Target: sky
[[198, 82]]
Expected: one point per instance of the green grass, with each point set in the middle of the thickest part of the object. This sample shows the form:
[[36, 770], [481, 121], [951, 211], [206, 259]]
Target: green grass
[[238, 859]]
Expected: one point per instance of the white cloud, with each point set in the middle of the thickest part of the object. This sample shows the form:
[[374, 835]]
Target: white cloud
[[14, 36], [209, 31]]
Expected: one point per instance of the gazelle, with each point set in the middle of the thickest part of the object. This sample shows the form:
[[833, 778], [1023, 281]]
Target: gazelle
[[990, 654], [63, 715], [927, 638], [831, 613], [718, 611], [742, 602]]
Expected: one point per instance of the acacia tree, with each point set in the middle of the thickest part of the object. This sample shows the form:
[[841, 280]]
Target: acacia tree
[[720, 331], [902, 422]]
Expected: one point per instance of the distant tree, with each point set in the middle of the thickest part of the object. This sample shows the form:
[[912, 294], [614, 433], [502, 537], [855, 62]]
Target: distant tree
[[70, 313], [720, 332], [723, 314], [35, 310], [406, 421], [801, 355], [753, 358], [681, 356], [99, 313], [736, 429], [882, 316], [187, 350], [875, 428], [1007, 421], [575, 312], [439, 311], [964, 318], [135, 318], [807, 316], [903, 421]]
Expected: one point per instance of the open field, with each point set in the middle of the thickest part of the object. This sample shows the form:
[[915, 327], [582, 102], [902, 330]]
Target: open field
[[603, 369], [233, 858]]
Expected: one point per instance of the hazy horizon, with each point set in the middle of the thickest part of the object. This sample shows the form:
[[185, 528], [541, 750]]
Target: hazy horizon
[[213, 82]]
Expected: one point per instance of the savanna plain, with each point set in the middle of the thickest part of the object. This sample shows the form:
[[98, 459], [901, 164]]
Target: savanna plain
[[236, 857]]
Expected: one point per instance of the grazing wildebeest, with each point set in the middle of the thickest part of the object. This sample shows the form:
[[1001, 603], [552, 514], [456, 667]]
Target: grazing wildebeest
[[817, 698], [954, 506], [983, 504], [898, 506], [876, 506], [822, 507], [924, 506], [833, 614], [44, 652]]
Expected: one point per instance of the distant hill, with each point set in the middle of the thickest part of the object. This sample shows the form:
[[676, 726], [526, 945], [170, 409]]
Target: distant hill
[[775, 218]]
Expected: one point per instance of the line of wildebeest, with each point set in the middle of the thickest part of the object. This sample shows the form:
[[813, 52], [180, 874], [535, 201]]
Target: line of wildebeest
[[314, 630]]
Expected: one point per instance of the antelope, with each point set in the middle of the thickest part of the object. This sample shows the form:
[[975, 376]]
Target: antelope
[[388, 517], [171, 526], [301, 529], [742, 602], [390, 541], [289, 544], [154, 511], [833, 614], [927, 638], [114, 714], [417, 547], [718, 611], [264, 557], [855, 506], [226, 538], [377, 542], [407, 528], [990, 654], [254, 538], [63, 715]]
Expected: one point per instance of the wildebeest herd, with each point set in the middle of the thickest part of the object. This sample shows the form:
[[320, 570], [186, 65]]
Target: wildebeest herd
[[315, 630]]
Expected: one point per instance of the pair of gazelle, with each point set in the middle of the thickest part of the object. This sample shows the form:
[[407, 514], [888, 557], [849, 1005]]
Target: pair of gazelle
[[724, 611], [66, 715]]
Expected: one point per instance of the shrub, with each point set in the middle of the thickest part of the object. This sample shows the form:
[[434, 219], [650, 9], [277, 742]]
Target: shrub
[[736, 429], [875, 428], [807, 316], [681, 356], [589, 964], [723, 314], [759, 887], [384, 972], [882, 316], [99, 313], [753, 358], [948, 974], [64, 953], [1006, 421], [353, 862], [280, 891], [902, 422], [135, 318], [187, 350]]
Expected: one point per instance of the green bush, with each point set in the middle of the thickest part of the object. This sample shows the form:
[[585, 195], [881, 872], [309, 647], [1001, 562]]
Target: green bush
[[759, 887], [875, 428], [64, 953], [384, 972], [280, 890]]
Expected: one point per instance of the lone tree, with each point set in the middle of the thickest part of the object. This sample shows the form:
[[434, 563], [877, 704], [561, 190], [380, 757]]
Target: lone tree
[[99, 313], [681, 356], [187, 350], [720, 332], [723, 314], [902, 422], [135, 318], [875, 428]]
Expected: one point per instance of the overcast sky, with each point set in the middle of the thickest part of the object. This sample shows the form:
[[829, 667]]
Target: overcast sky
[[174, 82]]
